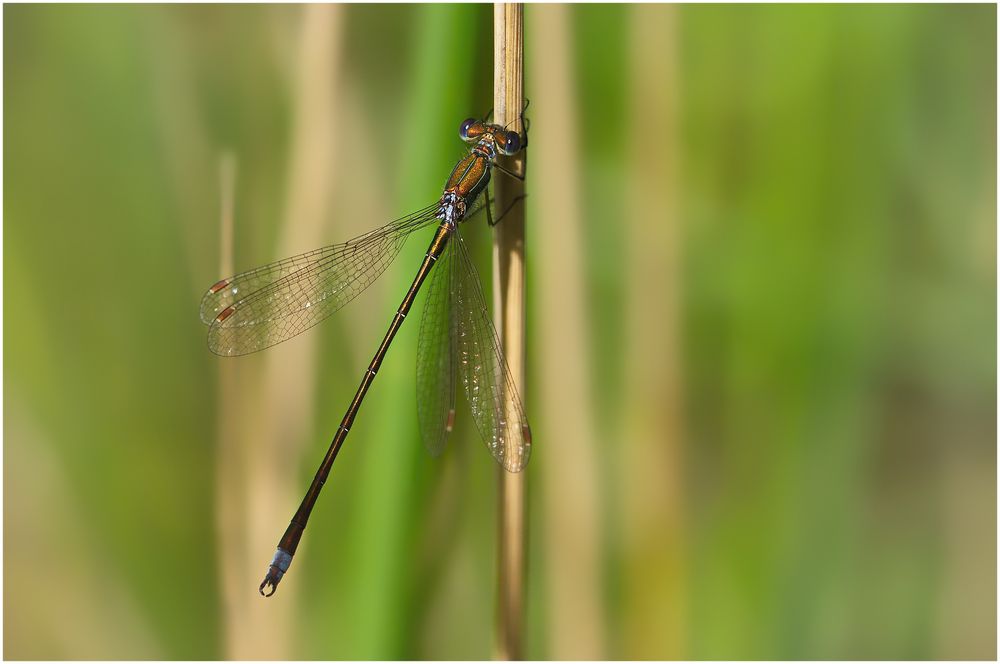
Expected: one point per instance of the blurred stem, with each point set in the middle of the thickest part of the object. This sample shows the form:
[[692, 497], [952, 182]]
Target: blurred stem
[[281, 419], [651, 523], [229, 468], [573, 512], [508, 307]]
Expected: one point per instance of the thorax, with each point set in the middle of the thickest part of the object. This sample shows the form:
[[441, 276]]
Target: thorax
[[467, 180]]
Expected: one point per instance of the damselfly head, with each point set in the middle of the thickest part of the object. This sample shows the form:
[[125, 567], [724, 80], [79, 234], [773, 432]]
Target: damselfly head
[[501, 140], [472, 130]]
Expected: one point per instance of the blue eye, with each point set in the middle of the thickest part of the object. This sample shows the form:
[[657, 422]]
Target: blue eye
[[463, 131], [512, 143]]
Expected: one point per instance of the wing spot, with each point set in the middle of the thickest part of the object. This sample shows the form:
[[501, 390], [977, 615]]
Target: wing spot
[[219, 285], [225, 313]]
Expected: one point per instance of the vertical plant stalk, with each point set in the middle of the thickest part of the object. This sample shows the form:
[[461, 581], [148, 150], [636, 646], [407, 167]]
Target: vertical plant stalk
[[571, 498], [229, 469], [508, 313], [651, 522]]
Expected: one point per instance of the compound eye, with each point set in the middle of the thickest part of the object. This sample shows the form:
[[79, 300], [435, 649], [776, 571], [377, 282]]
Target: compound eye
[[463, 131], [512, 143]]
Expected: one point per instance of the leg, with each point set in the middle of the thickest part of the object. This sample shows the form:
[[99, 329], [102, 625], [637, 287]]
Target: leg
[[508, 172], [524, 122], [489, 204]]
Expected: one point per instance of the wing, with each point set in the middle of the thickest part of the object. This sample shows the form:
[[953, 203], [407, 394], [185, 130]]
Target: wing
[[265, 306], [436, 362], [483, 371]]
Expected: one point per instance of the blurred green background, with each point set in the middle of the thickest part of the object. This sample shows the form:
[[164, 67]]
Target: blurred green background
[[762, 327]]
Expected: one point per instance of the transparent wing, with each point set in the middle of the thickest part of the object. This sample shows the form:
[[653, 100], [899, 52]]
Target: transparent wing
[[265, 306], [483, 371], [436, 363]]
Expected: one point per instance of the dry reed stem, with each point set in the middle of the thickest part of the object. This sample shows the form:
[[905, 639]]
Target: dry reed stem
[[575, 619], [508, 308]]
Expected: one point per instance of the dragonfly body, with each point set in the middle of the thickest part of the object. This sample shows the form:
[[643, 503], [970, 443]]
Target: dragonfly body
[[458, 344]]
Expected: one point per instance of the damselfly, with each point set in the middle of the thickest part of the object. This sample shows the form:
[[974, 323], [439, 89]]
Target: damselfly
[[457, 343]]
